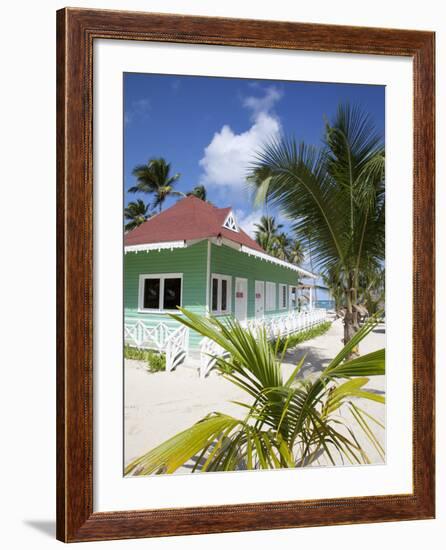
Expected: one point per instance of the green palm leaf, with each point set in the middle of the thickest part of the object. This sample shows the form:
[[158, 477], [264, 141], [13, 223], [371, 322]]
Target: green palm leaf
[[284, 423], [335, 192], [177, 450]]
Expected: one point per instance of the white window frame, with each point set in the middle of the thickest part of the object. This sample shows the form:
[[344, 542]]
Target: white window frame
[[270, 298], [161, 277], [220, 278], [283, 286]]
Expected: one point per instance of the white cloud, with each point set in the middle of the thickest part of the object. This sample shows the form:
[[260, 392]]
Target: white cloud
[[138, 109], [265, 103], [227, 157], [248, 220]]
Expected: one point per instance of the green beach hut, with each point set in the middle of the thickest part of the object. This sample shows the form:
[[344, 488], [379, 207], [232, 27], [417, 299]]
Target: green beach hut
[[196, 256]]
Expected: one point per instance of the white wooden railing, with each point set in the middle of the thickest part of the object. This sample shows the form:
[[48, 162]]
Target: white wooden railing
[[160, 337], [289, 323], [176, 347], [280, 325], [209, 352], [173, 340]]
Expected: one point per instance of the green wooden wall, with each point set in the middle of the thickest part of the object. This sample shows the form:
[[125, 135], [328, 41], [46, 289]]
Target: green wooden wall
[[227, 261], [191, 262]]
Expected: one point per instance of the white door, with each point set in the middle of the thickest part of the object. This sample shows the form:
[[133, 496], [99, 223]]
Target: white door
[[241, 299], [259, 298]]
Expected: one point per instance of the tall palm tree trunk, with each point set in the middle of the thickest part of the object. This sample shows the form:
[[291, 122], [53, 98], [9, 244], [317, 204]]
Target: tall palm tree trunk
[[351, 325], [311, 265]]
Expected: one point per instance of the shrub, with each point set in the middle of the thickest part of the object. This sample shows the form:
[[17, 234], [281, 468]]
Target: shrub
[[282, 344], [156, 361], [135, 353]]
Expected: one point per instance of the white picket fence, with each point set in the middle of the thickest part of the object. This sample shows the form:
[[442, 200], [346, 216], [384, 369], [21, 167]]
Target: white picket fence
[[289, 323], [280, 325], [173, 341]]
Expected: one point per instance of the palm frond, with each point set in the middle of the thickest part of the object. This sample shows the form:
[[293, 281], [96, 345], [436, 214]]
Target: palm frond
[[302, 189], [285, 423], [177, 450], [337, 192]]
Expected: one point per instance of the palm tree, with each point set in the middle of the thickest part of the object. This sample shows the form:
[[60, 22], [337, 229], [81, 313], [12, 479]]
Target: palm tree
[[372, 283], [310, 258], [279, 245], [137, 213], [198, 191], [296, 252], [338, 192], [333, 281], [266, 233], [282, 247], [154, 178], [285, 423]]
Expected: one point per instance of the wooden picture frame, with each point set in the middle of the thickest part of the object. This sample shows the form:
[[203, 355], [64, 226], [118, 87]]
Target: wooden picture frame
[[76, 31]]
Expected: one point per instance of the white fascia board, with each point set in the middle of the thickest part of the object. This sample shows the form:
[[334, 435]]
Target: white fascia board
[[268, 258], [168, 245]]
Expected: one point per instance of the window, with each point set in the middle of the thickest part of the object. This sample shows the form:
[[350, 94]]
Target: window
[[214, 294], [224, 295], [151, 297], [221, 294], [293, 297], [282, 296], [172, 293], [270, 296], [160, 292]]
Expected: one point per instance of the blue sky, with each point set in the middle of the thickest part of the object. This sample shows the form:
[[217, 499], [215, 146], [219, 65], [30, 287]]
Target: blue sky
[[209, 128]]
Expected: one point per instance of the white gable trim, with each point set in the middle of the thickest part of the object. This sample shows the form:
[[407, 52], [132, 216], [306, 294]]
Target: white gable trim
[[231, 223], [169, 245]]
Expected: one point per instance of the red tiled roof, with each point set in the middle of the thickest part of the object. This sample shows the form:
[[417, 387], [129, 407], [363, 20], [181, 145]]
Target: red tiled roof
[[188, 219]]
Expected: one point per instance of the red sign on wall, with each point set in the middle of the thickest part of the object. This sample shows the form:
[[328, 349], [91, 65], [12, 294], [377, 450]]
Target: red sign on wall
[[239, 294]]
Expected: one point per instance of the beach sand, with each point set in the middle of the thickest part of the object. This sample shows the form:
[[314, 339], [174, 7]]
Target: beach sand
[[159, 405]]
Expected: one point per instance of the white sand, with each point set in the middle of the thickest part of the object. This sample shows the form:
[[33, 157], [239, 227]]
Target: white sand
[[159, 405]]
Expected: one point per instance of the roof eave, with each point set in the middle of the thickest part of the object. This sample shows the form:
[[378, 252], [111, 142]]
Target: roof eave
[[146, 247], [272, 259]]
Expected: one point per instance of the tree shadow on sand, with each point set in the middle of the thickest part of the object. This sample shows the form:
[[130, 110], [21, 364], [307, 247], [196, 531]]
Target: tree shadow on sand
[[315, 361]]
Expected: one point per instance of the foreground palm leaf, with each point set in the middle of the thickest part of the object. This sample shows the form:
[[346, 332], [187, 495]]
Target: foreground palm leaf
[[287, 423]]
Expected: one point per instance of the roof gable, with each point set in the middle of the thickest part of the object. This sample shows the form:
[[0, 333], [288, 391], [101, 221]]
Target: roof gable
[[190, 219], [231, 223], [193, 219]]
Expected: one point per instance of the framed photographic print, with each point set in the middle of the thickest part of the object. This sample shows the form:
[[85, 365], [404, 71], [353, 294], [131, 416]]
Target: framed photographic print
[[245, 275]]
